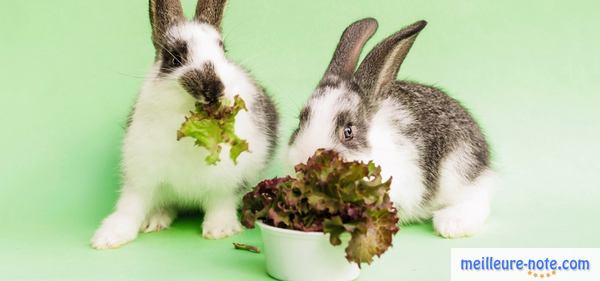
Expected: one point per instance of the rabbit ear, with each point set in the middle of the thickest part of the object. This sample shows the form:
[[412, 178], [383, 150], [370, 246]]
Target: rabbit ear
[[163, 14], [210, 11], [383, 63], [348, 49]]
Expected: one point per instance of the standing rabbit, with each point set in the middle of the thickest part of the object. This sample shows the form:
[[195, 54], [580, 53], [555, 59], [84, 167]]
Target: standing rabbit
[[426, 141], [161, 174]]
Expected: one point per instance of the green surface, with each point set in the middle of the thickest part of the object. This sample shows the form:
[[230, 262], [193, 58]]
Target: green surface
[[70, 71]]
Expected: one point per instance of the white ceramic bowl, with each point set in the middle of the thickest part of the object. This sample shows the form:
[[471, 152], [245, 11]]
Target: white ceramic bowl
[[298, 256]]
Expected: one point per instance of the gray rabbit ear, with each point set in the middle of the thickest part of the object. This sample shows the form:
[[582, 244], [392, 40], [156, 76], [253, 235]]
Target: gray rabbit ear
[[383, 63], [210, 11], [348, 49], [164, 14]]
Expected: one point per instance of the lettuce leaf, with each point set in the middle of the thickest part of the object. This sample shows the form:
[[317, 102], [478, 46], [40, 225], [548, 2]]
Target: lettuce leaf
[[212, 125], [330, 195]]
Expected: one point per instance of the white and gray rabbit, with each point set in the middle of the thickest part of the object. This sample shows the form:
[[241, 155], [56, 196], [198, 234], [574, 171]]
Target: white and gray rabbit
[[161, 174], [425, 140]]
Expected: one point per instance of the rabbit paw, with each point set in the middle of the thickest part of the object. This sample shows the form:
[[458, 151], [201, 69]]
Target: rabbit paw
[[218, 228], [157, 221], [454, 223], [114, 232]]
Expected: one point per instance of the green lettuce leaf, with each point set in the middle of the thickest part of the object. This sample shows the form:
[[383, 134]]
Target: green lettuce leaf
[[330, 195], [212, 125]]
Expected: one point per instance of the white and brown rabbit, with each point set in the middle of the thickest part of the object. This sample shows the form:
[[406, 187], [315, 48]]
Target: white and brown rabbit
[[161, 174], [425, 140]]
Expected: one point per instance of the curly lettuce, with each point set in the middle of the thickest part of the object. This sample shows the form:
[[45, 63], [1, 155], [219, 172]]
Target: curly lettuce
[[212, 125], [332, 196]]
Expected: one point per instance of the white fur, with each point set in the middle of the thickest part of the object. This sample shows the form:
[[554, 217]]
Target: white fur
[[398, 157], [324, 109], [460, 206], [464, 207], [159, 171]]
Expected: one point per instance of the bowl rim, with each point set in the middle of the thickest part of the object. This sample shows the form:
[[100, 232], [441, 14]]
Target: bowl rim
[[290, 232]]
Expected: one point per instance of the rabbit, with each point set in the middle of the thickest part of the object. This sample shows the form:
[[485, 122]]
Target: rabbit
[[162, 175], [434, 151]]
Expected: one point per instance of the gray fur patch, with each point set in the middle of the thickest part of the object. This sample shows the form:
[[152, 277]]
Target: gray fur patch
[[163, 15], [294, 136], [203, 84], [441, 125], [129, 117], [210, 11], [303, 121], [268, 120], [330, 82], [349, 47]]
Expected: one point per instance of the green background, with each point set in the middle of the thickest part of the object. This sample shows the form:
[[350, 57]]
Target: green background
[[70, 70]]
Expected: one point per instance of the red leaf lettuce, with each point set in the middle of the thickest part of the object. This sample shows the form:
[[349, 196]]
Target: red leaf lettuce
[[332, 196]]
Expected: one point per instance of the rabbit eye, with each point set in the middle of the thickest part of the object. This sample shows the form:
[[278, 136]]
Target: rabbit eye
[[175, 60], [171, 60], [348, 134], [173, 56]]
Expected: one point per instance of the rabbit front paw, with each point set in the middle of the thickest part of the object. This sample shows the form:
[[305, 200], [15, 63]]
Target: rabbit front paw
[[220, 227], [115, 231], [159, 220]]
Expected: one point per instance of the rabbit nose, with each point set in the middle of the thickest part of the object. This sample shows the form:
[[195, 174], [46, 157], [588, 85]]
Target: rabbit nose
[[203, 84]]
